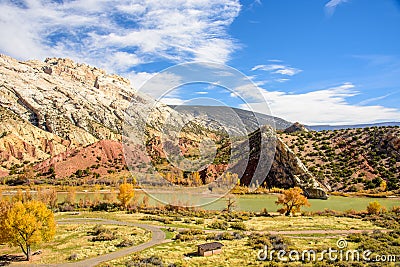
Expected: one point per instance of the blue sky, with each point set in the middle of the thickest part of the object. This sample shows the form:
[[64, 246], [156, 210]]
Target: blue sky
[[314, 61]]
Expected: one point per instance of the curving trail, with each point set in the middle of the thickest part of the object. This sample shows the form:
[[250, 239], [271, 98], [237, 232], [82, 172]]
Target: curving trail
[[158, 237]]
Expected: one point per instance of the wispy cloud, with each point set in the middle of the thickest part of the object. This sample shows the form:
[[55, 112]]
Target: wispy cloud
[[281, 80], [330, 7], [172, 101], [117, 35], [373, 99], [162, 85], [254, 4], [278, 69], [379, 60], [326, 106]]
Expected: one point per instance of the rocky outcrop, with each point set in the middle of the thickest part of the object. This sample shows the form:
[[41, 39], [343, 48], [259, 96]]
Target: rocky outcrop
[[296, 127], [283, 169], [287, 170], [391, 142]]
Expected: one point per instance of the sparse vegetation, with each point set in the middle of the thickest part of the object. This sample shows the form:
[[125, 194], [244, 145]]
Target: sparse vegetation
[[351, 160]]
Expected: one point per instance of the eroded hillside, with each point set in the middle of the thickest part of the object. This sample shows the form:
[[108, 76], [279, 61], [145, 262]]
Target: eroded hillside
[[351, 160]]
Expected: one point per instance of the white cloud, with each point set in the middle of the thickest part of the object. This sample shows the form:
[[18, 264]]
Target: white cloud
[[172, 101], [330, 7], [248, 92], [162, 85], [277, 69], [201, 93], [327, 106], [109, 32], [373, 99], [120, 61], [138, 79]]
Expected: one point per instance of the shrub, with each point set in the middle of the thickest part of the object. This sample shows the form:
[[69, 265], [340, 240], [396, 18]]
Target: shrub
[[73, 257], [163, 220], [396, 209], [189, 234], [147, 262], [125, 243], [199, 221], [107, 236], [103, 206], [258, 241], [219, 225], [211, 236], [225, 236], [64, 207], [374, 208], [102, 234], [238, 226]]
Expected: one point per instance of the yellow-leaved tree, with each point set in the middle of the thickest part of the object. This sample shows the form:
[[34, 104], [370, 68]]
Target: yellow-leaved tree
[[292, 200], [27, 224], [126, 193], [4, 208]]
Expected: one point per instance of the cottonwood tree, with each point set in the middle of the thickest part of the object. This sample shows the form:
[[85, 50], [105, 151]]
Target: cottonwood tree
[[196, 178], [71, 196], [27, 224], [48, 197], [4, 208], [126, 193], [374, 208], [292, 200], [27, 175], [145, 202]]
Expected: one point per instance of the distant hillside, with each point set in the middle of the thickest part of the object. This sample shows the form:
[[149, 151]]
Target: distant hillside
[[252, 120], [355, 126], [351, 159]]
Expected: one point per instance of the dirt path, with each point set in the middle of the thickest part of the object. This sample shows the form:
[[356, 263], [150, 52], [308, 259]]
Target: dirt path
[[158, 237], [337, 232]]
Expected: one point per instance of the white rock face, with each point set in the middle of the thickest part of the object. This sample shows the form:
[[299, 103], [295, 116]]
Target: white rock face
[[74, 101]]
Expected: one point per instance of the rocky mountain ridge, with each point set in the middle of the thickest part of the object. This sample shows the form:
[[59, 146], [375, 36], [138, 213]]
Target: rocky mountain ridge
[[62, 117]]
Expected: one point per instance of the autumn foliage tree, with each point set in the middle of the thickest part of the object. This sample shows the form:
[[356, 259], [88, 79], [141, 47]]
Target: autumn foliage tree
[[27, 224], [71, 196], [292, 200], [48, 197], [4, 208], [126, 193], [374, 208]]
